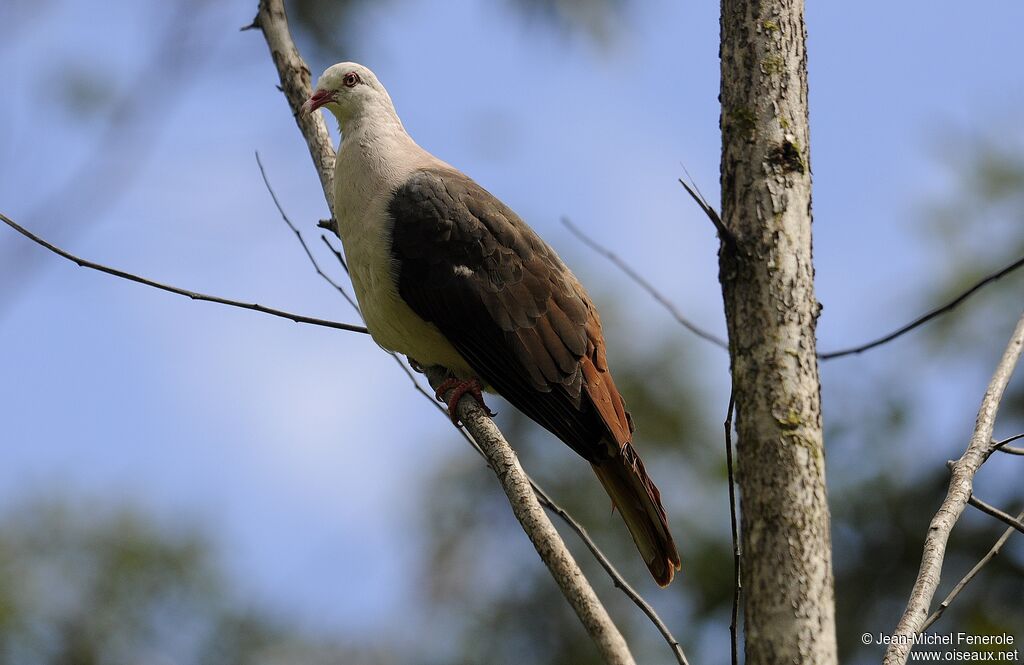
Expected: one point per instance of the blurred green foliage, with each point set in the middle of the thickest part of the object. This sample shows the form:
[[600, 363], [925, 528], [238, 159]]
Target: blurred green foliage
[[87, 584], [330, 30], [977, 225]]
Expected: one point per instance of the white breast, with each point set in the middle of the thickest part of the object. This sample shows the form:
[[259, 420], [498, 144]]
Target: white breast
[[371, 164]]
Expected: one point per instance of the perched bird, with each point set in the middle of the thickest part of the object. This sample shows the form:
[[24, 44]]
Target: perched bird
[[449, 276]]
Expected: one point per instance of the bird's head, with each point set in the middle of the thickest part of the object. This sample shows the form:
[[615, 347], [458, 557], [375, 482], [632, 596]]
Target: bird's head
[[348, 90]]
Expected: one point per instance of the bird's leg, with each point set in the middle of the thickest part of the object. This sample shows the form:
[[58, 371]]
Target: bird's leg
[[460, 387], [415, 365]]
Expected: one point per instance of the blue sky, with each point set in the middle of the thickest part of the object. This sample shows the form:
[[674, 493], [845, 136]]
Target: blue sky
[[304, 448]]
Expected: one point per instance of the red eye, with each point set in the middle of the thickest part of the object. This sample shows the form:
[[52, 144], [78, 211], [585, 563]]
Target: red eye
[[350, 79]]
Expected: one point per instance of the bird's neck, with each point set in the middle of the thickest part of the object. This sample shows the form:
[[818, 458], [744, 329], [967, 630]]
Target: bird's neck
[[375, 156], [375, 116], [376, 146], [365, 129]]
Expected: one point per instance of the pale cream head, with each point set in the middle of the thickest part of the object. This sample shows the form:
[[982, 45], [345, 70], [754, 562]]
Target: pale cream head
[[350, 91]]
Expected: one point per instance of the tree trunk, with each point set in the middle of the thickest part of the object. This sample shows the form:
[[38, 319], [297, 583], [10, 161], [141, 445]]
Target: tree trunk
[[768, 286]]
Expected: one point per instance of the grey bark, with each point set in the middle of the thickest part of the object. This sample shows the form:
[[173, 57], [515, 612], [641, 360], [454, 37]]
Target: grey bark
[[295, 83], [767, 279], [961, 485]]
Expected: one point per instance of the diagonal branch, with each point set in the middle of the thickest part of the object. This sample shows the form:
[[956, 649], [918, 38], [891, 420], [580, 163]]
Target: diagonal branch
[[126, 139], [957, 497], [644, 284], [617, 578], [194, 295], [295, 81], [925, 318], [340, 289], [549, 545], [724, 233], [550, 504], [989, 509], [971, 574], [296, 85], [337, 254], [1003, 448], [730, 241], [302, 241]]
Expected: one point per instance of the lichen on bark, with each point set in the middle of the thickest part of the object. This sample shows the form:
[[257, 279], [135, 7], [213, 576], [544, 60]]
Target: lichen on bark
[[771, 311]]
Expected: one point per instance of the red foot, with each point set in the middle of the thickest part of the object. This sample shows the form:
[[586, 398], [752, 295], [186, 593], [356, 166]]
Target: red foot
[[460, 387]]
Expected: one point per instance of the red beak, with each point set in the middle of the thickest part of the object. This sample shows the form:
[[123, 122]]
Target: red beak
[[316, 100]]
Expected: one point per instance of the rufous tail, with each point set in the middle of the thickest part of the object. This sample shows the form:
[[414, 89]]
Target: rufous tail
[[639, 502]]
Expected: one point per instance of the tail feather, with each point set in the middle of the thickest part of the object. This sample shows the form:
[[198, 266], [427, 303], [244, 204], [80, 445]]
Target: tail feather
[[639, 502]]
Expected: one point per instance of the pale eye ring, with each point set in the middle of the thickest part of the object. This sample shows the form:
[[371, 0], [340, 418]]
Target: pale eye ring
[[350, 80]]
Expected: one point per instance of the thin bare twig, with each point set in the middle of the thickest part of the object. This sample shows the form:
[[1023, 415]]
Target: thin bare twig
[[730, 240], [925, 318], [337, 254], [723, 231], [957, 496], [344, 266], [194, 295], [125, 140], [302, 241], [1003, 448], [971, 574], [644, 284], [340, 289], [616, 576], [737, 551], [989, 509]]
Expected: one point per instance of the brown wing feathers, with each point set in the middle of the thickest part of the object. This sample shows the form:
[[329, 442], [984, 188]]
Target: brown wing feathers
[[624, 476], [503, 298], [601, 389]]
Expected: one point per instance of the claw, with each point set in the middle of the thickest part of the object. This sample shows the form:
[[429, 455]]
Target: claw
[[460, 387]]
